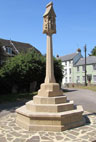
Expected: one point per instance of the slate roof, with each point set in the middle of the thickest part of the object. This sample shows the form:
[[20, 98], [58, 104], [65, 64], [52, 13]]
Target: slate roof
[[68, 57], [20, 46], [89, 60]]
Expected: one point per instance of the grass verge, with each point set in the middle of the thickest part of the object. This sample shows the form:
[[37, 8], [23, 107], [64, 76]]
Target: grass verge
[[16, 97], [93, 88]]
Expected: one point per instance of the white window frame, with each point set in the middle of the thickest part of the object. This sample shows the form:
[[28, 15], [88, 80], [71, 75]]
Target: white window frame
[[9, 50], [70, 71], [78, 79], [70, 79], [95, 78], [83, 68], [94, 66], [65, 71], [83, 78], [78, 68], [66, 63], [70, 62], [66, 80]]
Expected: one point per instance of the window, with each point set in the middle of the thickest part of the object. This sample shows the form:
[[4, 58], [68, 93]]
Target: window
[[65, 79], [78, 79], [89, 77], [69, 71], [69, 62], [83, 78], [65, 71], [9, 50], [94, 67], [66, 63], [83, 68], [69, 79], [94, 78], [78, 68]]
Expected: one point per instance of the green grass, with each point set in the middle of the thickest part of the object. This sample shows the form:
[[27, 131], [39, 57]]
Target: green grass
[[16, 97], [93, 88]]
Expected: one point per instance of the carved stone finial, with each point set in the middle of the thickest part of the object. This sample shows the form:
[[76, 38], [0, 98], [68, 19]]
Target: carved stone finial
[[49, 4], [49, 22]]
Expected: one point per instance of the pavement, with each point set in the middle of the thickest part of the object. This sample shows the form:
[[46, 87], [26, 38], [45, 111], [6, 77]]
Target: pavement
[[11, 132]]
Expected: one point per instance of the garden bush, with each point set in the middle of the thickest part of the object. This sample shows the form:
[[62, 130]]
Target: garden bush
[[24, 69]]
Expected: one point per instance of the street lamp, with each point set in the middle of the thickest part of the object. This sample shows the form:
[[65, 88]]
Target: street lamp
[[85, 64]]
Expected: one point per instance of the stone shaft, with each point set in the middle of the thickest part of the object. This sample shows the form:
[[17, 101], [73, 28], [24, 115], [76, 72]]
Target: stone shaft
[[49, 62]]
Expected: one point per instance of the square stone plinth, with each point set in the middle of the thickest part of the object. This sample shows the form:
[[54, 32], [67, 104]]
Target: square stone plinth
[[50, 90]]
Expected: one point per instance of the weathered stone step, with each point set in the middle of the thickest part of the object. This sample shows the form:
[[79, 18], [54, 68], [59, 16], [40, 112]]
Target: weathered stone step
[[53, 121], [23, 110], [49, 100], [49, 107]]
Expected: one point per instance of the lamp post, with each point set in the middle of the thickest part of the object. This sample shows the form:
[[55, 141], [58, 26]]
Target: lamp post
[[85, 49]]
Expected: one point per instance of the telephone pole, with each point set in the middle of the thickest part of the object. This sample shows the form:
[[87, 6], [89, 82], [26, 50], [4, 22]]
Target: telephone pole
[[85, 64]]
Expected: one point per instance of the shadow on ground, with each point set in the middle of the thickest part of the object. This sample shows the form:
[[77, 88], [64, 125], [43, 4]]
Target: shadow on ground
[[11, 106], [87, 120], [68, 90], [9, 102]]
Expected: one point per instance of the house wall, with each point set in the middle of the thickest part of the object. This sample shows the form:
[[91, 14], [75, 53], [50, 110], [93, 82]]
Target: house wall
[[67, 74], [90, 71], [69, 66]]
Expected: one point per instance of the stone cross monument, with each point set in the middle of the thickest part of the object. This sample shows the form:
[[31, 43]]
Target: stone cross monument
[[49, 28], [49, 110]]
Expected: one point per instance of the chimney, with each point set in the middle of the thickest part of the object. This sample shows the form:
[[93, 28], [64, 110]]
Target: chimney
[[57, 56], [78, 50]]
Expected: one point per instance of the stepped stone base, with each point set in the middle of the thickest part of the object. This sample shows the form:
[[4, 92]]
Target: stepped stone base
[[49, 107], [49, 100], [49, 112], [49, 121]]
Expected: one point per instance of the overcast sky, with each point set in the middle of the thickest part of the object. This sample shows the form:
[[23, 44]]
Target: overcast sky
[[22, 20]]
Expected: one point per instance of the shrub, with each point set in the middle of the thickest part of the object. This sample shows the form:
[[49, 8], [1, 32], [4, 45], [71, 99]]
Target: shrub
[[24, 69]]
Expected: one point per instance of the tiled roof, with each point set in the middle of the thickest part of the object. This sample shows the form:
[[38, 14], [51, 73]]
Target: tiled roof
[[89, 60], [20, 46], [68, 57]]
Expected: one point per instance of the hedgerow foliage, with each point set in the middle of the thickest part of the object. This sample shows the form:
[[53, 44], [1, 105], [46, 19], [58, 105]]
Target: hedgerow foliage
[[93, 52], [24, 69]]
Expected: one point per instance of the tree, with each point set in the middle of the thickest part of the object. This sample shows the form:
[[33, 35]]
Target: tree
[[0, 52], [93, 52], [24, 69]]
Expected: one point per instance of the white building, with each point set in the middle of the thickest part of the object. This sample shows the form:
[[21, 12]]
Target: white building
[[68, 61]]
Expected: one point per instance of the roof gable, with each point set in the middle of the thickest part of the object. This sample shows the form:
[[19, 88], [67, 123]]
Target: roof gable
[[89, 60], [68, 57], [20, 46]]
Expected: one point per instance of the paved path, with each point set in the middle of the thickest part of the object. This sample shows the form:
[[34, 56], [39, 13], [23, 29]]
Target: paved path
[[11, 132], [86, 98]]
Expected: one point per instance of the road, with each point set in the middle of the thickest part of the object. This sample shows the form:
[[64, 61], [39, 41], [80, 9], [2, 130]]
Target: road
[[86, 98]]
